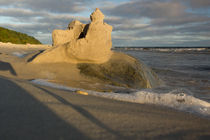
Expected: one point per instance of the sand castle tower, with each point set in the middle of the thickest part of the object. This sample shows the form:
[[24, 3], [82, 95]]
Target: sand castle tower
[[80, 43]]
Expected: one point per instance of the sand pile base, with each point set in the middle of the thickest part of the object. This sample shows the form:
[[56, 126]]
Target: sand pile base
[[121, 70]]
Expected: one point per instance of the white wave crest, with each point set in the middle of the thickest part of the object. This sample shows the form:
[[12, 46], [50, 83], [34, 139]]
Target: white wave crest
[[174, 99]]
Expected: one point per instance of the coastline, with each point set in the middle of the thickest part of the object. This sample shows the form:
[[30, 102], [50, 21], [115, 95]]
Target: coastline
[[30, 109]]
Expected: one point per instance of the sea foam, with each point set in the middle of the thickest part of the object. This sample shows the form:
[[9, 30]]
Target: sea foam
[[176, 99]]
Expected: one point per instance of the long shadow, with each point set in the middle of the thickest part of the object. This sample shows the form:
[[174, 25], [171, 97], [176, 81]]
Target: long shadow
[[22, 117], [5, 66], [34, 56], [85, 113]]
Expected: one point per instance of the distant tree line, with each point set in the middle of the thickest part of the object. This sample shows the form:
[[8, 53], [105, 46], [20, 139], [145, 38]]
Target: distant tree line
[[14, 37]]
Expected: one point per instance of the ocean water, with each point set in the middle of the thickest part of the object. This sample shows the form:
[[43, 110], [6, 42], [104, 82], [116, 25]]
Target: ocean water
[[189, 70], [185, 76]]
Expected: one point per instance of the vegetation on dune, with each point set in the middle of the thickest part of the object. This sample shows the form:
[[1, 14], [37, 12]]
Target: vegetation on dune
[[11, 36]]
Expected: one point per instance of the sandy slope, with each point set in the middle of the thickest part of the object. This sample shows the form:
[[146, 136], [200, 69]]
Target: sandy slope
[[29, 111]]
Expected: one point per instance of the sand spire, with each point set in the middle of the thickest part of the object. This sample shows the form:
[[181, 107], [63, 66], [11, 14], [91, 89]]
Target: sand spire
[[97, 16]]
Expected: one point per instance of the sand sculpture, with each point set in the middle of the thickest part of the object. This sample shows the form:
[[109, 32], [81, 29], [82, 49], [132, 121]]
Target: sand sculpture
[[87, 49], [80, 43]]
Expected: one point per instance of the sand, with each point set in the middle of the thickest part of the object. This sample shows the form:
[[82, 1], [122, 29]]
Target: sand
[[80, 43], [29, 111]]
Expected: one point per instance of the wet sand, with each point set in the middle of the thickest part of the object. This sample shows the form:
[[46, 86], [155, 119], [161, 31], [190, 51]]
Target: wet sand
[[29, 111]]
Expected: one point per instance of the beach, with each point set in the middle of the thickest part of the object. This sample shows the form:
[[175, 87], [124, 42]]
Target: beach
[[33, 111]]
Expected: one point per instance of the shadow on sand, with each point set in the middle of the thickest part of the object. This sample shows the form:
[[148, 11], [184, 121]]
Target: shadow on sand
[[5, 66], [22, 117], [35, 55], [85, 113]]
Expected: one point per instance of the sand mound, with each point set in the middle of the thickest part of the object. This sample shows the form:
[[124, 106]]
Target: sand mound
[[121, 70]]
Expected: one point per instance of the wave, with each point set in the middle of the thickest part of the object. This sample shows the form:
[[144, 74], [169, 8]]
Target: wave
[[179, 49], [164, 49], [178, 99]]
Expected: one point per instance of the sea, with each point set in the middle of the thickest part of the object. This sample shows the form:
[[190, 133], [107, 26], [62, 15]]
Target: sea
[[185, 76], [180, 68]]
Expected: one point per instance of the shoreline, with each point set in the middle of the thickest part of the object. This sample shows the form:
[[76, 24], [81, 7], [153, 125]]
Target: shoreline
[[88, 117], [164, 49], [24, 46]]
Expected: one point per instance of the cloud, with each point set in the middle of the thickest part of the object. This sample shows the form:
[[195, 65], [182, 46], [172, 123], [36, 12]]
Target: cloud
[[190, 19], [197, 3], [144, 22], [160, 12], [180, 21], [39, 24], [60, 6], [161, 40], [151, 9], [21, 13]]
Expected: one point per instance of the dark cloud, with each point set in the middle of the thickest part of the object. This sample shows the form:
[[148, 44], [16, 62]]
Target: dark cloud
[[197, 3], [6, 2], [29, 16], [114, 20], [187, 31], [160, 12], [168, 36], [166, 18], [202, 28], [151, 9], [18, 13], [60, 6], [175, 21], [130, 27]]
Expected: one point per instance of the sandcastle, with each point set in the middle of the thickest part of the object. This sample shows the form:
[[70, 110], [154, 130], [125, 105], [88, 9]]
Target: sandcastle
[[86, 48], [80, 43]]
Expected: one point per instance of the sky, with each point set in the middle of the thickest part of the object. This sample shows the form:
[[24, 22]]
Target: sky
[[135, 22]]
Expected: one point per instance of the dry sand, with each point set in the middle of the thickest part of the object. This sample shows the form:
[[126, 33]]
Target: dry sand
[[29, 111]]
